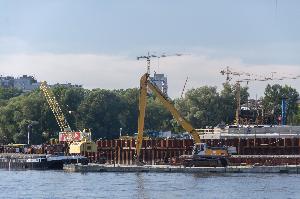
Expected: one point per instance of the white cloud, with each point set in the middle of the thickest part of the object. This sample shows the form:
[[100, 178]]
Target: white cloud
[[107, 71]]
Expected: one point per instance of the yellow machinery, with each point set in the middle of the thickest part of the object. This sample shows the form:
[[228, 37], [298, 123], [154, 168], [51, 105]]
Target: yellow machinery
[[55, 108], [75, 147], [83, 146], [200, 149]]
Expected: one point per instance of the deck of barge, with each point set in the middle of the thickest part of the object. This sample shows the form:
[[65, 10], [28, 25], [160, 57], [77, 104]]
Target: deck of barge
[[180, 169]]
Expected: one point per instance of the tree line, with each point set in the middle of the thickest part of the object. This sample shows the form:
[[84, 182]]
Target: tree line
[[106, 111]]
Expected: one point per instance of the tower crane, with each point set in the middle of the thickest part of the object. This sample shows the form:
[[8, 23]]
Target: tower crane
[[149, 56], [251, 78], [148, 59], [229, 73], [182, 92]]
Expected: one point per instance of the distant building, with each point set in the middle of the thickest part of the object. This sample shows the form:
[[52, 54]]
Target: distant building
[[28, 83], [25, 83], [7, 82], [67, 85], [161, 82], [159, 134]]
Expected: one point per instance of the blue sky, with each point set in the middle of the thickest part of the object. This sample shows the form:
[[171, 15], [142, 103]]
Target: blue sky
[[104, 37]]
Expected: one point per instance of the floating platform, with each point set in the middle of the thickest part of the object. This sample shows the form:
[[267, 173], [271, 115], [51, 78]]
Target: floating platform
[[295, 169], [37, 161], [28, 161]]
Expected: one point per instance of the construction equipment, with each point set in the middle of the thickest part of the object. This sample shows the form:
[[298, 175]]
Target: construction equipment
[[229, 73], [182, 92], [55, 108], [202, 155], [77, 142], [154, 55], [250, 78]]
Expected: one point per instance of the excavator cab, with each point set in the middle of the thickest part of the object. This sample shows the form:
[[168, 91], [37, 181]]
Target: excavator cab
[[199, 149]]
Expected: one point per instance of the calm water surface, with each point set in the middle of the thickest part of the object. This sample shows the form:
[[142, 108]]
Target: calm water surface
[[59, 184]]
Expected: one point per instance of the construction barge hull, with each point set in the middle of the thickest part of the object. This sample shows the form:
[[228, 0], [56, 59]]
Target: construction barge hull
[[38, 162], [293, 169], [266, 150], [9, 164]]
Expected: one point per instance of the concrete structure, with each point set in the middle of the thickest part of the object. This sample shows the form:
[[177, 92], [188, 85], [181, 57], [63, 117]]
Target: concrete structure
[[245, 132], [295, 169]]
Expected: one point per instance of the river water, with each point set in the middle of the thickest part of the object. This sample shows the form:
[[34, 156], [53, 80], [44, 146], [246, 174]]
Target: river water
[[62, 185]]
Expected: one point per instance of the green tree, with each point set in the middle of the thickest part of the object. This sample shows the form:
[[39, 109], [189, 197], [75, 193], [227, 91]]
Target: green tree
[[227, 104], [157, 117], [273, 98], [129, 110], [7, 93], [100, 111], [201, 106], [17, 115]]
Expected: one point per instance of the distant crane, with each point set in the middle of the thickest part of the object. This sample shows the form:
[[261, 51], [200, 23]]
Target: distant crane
[[229, 73], [149, 56], [148, 59], [182, 92], [251, 77]]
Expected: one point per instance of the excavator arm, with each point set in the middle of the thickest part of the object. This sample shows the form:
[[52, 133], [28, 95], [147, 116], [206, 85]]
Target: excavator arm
[[144, 84], [142, 110]]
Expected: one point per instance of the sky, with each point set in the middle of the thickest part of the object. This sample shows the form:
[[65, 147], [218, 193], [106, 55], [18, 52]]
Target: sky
[[95, 42]]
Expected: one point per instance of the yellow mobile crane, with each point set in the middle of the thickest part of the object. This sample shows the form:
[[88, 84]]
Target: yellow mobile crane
[[55, 108], [202, 154], [75, 146]]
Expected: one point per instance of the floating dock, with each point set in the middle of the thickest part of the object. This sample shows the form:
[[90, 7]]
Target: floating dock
[[294, 169]]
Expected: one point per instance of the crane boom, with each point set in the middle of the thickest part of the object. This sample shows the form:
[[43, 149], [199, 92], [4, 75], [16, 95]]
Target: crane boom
[[55, 108], [144, 84]]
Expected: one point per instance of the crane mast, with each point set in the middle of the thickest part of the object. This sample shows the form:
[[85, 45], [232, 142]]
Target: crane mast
[[182, 92], [144, 84], [55, 108]]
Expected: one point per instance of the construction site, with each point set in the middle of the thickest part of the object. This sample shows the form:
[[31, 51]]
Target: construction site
[[247, 142]]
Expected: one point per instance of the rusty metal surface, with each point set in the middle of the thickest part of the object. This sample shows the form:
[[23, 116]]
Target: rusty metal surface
[[164, 151]]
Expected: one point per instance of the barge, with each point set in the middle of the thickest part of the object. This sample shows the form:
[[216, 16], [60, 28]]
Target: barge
[[38, 161], [292, 169]]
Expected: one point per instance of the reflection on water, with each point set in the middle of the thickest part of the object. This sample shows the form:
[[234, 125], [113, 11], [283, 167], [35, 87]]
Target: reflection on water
[[63, 185], [141, 191]]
